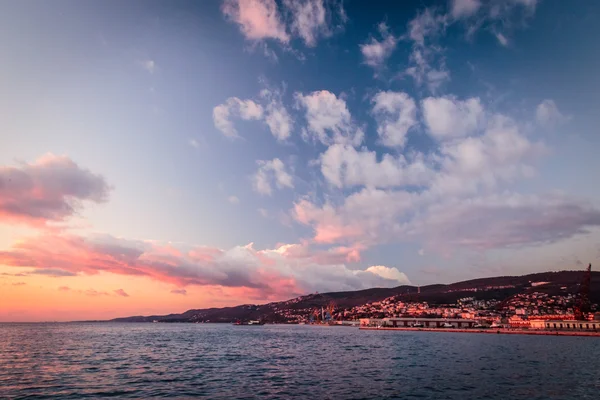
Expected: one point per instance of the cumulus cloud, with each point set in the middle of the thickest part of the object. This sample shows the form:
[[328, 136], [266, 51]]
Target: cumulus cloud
[[422, 71], [548, 115], [389, 207], [501, 154], [344, 166], [389, 273], [267, 274], [464, 8], [367, 216], [274, 114], [235, 108], [426, 65], [308, 19], [269, 173], [395, 113], [121, 292], [329, 120], [506, 220], [257, 19], [52, 188], [447, 117], [427, 23], [376, 52], [277, 117]]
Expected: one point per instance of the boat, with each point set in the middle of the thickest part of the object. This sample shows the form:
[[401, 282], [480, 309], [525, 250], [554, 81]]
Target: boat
[[251, 322]]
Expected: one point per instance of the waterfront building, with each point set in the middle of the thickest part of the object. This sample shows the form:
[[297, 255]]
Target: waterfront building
[[418, 322], [517, 322], [572, 325]]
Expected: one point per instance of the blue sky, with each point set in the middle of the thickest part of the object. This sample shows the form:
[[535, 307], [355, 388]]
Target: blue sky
[[437, 140]]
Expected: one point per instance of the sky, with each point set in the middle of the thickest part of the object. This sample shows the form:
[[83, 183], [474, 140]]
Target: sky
[[158, 156]]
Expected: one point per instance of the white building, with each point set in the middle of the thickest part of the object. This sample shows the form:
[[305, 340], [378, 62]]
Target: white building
[[570, 325]]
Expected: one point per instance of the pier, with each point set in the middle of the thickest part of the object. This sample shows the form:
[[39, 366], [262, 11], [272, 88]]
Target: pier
[[495, 331]]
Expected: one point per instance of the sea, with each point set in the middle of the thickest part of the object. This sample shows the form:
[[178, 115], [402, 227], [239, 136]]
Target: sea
[[222, 361]]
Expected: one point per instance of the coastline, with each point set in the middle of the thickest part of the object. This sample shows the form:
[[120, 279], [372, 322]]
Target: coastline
[[502, 331]]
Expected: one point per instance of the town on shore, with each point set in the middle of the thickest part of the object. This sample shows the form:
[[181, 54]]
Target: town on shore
[[547, 301]]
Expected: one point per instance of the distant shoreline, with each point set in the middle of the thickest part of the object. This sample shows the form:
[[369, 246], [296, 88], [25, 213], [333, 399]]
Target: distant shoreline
[[502, 331]]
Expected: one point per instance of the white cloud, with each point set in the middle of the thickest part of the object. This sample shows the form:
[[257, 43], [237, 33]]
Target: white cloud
[[447, 117], [375, 52], [344, 166], [328, 118], [279, 121], [271, 274], [425, 24], [270, 172], [233, 200], [261, 19], [421, 70], [395, 113], [501, 39], [423, 30], [308, 19], [464, 8], [257, 19], [263, 212], [547, 114], [277, 118], [502, 154], [464, 169], [235, 108], [389, 273], [368, 216]]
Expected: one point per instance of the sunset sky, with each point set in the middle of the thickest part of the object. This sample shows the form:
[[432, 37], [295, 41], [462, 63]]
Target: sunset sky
[[157, 156]]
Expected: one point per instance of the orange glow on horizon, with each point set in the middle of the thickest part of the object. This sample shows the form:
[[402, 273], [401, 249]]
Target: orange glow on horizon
[[92, 297]]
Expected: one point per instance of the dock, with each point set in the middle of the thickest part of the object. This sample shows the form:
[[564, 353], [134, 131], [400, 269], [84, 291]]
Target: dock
[[495, 331]]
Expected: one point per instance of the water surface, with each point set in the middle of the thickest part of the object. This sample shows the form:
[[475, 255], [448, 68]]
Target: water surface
[[222, 361]]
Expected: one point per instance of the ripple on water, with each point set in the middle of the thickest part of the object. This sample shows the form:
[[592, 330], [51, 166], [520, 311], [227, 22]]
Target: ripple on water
[[221, 361]]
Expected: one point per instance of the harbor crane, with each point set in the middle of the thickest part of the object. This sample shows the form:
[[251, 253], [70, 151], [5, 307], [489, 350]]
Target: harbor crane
[[582, 306]]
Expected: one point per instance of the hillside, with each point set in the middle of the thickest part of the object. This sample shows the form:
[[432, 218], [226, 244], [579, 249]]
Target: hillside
[[498, 288]]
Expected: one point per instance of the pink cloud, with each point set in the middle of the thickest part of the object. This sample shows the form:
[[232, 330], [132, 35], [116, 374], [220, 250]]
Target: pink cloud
[[121, 292], [334, 255], [258, 19], [327, 222], [50, 189], [287, 271]]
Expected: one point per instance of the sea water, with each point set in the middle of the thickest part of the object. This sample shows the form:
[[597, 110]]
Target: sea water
[[128, 360]]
